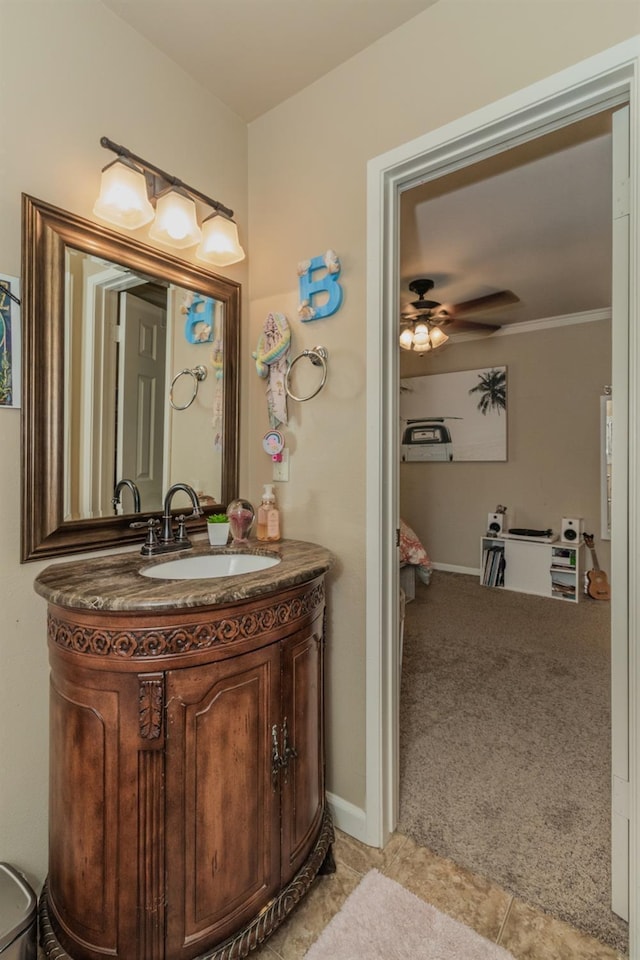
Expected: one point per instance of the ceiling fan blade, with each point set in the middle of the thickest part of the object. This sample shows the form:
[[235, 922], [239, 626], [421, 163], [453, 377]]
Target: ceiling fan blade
[[493, 301], [462, 326]]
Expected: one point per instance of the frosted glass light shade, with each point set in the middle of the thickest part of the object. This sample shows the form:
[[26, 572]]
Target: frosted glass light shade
[[123, 197], [438, 337], [220, 244], [406, 339], [175, 224], [420, 335]]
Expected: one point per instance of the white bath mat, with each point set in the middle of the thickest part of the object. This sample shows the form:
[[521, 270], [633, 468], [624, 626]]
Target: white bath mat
[[381, 920]]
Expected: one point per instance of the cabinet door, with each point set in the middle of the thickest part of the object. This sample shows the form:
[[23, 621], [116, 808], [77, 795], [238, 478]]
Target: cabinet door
[[222, 824], [302, 779], [83, 816]]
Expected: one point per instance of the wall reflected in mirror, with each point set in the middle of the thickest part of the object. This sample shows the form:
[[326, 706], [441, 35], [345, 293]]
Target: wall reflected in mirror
[[128, 338]]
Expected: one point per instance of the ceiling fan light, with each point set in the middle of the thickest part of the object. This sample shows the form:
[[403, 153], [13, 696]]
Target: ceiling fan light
[[406, 339], [420, 334], [175, 224], [422, 347], [220, 244], [438, 337], [123, 199]]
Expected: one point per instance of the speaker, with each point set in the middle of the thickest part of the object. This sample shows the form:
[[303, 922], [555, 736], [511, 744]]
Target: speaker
[[496, 523], [571, 529]]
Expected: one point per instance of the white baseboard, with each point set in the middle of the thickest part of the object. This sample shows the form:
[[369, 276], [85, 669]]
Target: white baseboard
[[347, 817], [453, 568]]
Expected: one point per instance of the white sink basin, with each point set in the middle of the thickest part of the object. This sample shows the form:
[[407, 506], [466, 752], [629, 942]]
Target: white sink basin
[[214, 565]]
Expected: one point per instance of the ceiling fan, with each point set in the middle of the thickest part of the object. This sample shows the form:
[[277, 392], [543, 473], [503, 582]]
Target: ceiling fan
[[423, 328]]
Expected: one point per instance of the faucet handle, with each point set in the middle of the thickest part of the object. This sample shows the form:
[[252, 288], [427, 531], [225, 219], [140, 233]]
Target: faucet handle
[[181, 533], [151, 540]]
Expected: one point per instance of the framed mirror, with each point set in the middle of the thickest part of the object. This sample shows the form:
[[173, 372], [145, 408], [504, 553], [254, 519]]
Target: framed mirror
[[131, 381]]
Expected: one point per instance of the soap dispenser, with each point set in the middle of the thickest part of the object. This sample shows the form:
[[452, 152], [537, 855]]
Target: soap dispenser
[[268, 527]]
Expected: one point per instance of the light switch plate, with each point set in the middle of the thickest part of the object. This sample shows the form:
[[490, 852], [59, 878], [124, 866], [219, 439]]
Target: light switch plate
[[281, 469]]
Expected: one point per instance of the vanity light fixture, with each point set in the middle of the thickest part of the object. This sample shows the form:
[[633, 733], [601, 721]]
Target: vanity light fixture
[[219, 242], [123, 198], [131, 187], [175, 224]]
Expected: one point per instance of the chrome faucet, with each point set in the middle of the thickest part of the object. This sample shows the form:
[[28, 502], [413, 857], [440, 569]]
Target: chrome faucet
[[180, 539], [115, 500]]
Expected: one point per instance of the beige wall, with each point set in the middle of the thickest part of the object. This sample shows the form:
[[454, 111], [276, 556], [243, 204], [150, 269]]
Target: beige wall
[[554, 381], [307, 189], [71, 72]]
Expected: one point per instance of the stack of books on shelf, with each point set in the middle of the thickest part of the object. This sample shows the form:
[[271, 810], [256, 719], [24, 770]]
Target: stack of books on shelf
[[493, 566], [565, 589], [563, 569]]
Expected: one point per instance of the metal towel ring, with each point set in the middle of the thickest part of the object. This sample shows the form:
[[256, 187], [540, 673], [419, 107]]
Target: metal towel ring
[[198, 373], [318, 357]]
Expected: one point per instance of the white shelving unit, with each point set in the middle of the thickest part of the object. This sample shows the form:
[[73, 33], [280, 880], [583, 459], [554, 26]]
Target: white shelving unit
[[531, 566]]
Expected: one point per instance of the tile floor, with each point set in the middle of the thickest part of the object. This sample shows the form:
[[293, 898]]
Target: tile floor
[[496, 915]]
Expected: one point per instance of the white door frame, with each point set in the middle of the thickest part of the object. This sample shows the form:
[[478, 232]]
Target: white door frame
[[604, 80]]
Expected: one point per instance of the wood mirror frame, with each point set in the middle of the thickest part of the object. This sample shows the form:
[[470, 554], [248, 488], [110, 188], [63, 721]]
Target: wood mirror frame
[[46, 233]]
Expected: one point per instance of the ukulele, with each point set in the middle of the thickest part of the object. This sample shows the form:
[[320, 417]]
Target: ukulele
[[596, 584]]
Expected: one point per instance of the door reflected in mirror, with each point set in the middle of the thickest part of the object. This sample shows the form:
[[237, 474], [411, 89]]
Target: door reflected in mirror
[[132, 338]]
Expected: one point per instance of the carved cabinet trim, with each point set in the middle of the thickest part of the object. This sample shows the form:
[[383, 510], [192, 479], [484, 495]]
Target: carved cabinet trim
[[130, 642]]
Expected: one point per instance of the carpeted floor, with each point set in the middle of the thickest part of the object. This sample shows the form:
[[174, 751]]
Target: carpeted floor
[[505, 743]]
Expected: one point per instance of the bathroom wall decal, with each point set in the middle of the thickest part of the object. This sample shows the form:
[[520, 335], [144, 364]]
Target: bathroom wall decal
[[9, 341], [454, 416], [320, 293]]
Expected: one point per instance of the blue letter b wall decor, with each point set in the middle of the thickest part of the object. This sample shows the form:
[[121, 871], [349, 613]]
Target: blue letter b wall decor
[[327, 284]]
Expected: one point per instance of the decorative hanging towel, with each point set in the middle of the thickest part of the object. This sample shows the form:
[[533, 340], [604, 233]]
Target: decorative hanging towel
[[271, 361], [217, 362]]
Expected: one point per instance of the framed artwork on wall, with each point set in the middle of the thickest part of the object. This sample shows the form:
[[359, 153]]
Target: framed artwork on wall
[[454, 416], [9, 341]]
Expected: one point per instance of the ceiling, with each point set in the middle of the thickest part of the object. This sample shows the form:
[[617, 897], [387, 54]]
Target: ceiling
[[254, 54], [535, 219]]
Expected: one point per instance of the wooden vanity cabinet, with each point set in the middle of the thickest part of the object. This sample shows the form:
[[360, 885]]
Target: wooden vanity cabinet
[[187, 807]]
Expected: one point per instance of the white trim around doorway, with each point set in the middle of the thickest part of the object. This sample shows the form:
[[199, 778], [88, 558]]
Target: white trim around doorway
[[603, 81]]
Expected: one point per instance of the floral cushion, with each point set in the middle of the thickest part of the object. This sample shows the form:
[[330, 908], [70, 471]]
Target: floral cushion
[[412, 551]]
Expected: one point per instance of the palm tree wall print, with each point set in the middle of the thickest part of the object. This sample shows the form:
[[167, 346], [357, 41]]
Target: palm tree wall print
[[450, 417], [492, 387]]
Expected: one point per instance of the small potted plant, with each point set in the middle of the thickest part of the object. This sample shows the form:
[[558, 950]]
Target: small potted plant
[[218, 529]]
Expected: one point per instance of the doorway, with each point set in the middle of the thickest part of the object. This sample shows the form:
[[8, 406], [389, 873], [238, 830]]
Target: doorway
[[603, 81], [504, 729]]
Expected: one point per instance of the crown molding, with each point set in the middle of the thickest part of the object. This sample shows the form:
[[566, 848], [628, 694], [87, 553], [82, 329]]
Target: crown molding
[[534, 326]]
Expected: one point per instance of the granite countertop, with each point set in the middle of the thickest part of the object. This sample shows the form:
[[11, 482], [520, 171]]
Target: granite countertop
[[115, 582]]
